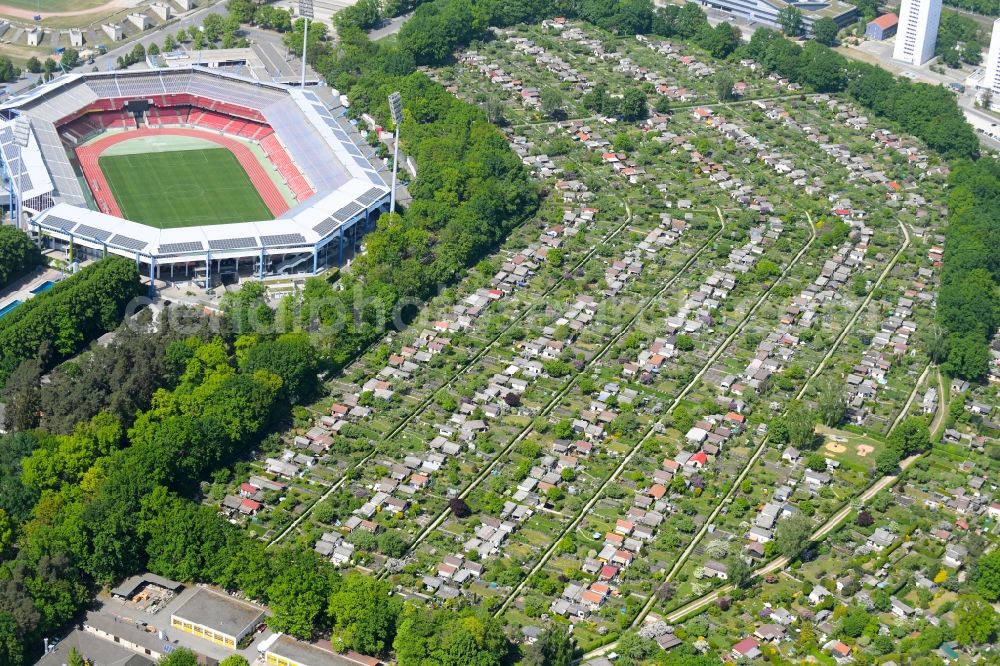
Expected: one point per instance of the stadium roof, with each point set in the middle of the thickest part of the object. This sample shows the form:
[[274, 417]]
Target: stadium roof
[[320, 142]]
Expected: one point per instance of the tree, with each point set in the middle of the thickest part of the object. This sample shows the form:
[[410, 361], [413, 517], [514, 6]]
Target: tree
[[738, 571], [234, 660], [825, 31], [887, 460], [293, 358], [801, 424], [830, 404], [777, 430], [179, 657], [634, 649], [8, 72], [552, 102], [816, 461], [459, 508], [968, 356], [975, 620], [493, 107], [299, 592], [70, 58], [466, 637], [792, 535], [854, 623], [721, 40], [33, 65], [986, 575], [882, 645], [75, 311], [74, 658], [169, 43], [822, 68], [972, 52], [391, 544], [365, 612], [138, 52], [634, 105], [554, 647], [23, 396], [790, 20], [684, 343], [363, 15], [724, 88]]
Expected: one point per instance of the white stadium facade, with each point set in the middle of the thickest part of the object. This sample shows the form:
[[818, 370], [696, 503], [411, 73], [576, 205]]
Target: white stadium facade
[[338, 191]]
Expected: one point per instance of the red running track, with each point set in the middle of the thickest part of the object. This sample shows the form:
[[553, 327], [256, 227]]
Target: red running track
[[89, 154]]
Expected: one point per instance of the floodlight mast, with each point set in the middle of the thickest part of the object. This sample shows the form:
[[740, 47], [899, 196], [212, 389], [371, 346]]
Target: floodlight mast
[[306, 12], [396, 109]]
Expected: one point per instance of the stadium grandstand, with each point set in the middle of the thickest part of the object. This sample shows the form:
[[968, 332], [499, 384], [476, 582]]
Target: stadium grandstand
[[286, 138]]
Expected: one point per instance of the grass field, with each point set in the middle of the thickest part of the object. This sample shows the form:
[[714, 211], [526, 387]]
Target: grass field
[[183, 188]]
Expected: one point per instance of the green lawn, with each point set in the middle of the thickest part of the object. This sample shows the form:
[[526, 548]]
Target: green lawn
[[183, 188]]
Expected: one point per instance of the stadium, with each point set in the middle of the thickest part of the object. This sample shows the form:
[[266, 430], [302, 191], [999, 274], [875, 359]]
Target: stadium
[[198, 175]]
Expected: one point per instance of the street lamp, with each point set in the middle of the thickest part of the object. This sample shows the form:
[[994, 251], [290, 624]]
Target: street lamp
[[306, 12], [396, 109]]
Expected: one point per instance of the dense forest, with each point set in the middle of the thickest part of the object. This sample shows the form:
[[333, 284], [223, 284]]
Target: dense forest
[[969, 300], [59, 322], [18, 254]]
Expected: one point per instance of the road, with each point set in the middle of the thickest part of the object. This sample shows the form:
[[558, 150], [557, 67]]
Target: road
[[391, 27]]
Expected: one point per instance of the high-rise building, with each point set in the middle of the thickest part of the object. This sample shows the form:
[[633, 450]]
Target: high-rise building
[[917, 32], [991, 79]]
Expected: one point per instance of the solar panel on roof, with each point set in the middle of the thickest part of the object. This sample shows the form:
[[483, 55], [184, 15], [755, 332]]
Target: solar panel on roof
[[188, 246], [347, 212], [93, 232], [127, 242], [232, 243], [352, 149], [60, 222], [326, 226], [283, 239], [371, 196], [362, 162], [321, 110], [374, 177]]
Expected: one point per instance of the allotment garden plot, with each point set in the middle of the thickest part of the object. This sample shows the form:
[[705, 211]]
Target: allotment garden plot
[[580, 428]]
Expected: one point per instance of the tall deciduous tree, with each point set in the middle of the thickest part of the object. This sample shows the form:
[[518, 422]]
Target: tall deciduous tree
[[791, 537], [825, 31], [790, 20]]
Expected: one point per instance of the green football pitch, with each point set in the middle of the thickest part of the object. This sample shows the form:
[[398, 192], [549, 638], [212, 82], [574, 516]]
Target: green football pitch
[[183, 188]]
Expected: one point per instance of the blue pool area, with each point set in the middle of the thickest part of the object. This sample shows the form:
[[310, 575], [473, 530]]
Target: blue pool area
[[7, 308], [43, 287]]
